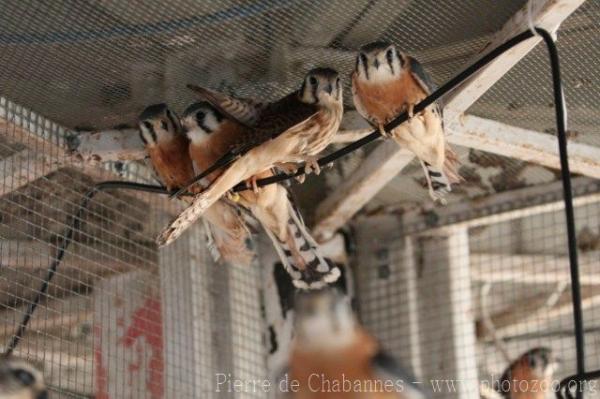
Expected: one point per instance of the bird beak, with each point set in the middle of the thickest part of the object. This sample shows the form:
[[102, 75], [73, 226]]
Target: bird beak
[[376, 64], [329, 89]]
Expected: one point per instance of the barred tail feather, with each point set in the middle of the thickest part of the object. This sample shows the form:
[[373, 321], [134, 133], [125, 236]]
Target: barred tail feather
[[315, 270], [437, 181]]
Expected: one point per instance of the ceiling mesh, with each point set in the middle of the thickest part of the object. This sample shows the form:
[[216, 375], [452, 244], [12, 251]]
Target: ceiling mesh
[[97, 64]]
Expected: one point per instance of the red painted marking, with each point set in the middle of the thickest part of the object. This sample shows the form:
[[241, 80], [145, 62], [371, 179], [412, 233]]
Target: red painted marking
[[146, 322], [101, 373]]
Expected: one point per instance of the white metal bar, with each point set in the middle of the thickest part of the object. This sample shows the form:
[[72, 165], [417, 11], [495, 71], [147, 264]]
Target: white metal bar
[[531, 268], [386, 267], [376, 171], [446, 313], [186, 308], [108, 145], [526, 145]]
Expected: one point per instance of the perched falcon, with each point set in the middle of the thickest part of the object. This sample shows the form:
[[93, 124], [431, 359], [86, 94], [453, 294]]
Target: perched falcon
[[167, 148], [292, 130], [211, 135], [530, 376], [333, 357], [20, 380], [386, 83]]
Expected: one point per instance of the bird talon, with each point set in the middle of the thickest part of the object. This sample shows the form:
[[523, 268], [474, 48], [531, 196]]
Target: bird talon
[[232, 196], [254, 184], [410, 111], [311, 165], [383, 132], [300, 179]]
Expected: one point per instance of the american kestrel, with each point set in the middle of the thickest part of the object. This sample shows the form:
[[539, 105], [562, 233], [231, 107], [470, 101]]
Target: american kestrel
[[530, 376], [20, 380], [211, 135], [333, 357], [386, 83], [167, 148], [292, 130]]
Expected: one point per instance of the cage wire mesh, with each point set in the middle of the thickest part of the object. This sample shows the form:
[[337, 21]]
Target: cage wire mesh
[[124, 319]]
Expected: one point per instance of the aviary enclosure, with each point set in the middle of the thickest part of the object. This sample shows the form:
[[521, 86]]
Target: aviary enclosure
[[454, 292]]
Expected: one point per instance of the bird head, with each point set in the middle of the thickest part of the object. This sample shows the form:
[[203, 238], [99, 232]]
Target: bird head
[[321, 86], [541, 361], [379, 62], [199, 120], [324, 319], [20, 380], [157, 122]]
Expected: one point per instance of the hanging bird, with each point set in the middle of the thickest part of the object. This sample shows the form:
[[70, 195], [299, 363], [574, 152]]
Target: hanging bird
[[386, 83], [20, 380], [333, 357], [530, 376], [293, 130], [167, 148], [211, 136]]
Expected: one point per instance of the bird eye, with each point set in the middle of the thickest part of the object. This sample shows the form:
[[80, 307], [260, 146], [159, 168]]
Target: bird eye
[[363, 58], [200, 117], [312, 80], [163, 125], [532, 361], [389, 55], [25, 377]]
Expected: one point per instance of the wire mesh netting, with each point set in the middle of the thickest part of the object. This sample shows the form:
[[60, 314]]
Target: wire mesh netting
[[123, 319], [459, 304], [100, 331]]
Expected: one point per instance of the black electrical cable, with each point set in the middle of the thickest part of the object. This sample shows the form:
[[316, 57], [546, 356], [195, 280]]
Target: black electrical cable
[[68, 238], [567, 384], [559, 106], [445, 88]]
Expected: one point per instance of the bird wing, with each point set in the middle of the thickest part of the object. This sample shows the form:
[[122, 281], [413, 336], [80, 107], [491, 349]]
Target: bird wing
[[424, 80], [387, 368], [242, 110], [420, 75], [276, 119]]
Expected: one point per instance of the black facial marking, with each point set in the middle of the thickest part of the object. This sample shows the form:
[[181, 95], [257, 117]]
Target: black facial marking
[[218, 115], [172, 118], [314, 86], [200, 119], [143, 139], [363, 59], [164, 126], [150, 128], [389, 55]]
